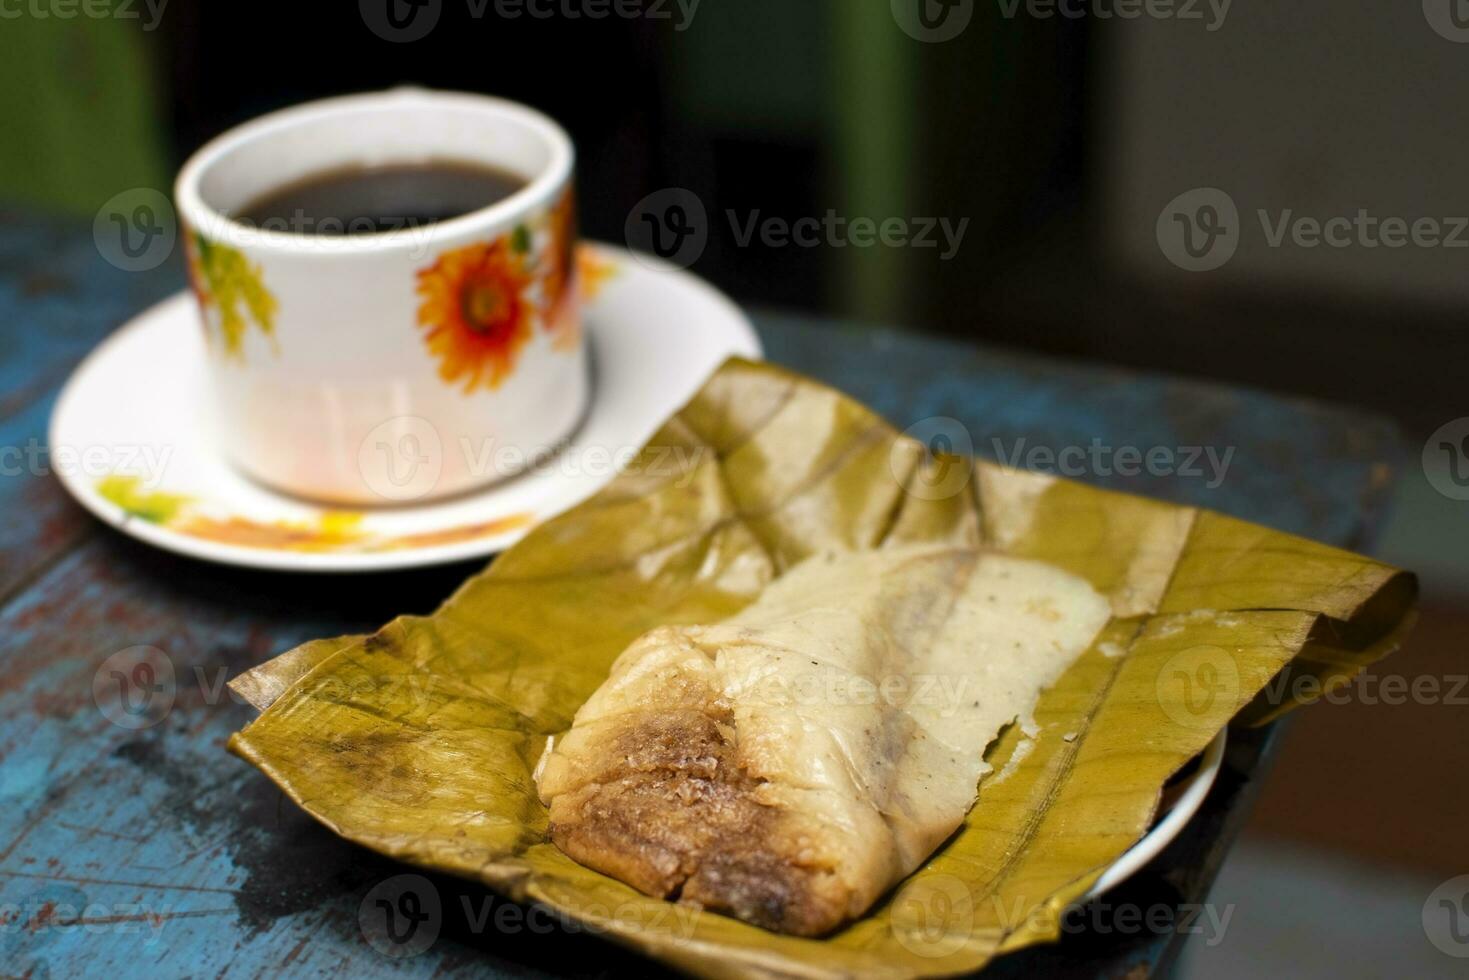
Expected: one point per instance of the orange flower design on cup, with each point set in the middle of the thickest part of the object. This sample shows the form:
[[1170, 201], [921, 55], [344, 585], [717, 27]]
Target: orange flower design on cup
[[562, 301], [476, 312]]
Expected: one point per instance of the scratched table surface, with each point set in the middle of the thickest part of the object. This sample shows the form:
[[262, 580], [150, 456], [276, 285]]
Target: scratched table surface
[[153, 852]]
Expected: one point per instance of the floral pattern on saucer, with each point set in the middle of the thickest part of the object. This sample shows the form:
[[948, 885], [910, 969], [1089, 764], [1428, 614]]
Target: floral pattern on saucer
[[332, 532]]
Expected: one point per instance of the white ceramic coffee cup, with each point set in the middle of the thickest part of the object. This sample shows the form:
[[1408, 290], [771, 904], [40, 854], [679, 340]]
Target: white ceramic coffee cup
[[404, 364]]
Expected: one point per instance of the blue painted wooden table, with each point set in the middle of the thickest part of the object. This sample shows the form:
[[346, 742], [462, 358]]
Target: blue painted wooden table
[[152, 852]]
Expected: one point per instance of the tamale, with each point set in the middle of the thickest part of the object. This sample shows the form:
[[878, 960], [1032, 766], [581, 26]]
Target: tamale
[[789, 765]]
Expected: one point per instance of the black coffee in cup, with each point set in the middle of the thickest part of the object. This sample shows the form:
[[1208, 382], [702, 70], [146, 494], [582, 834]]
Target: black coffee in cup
[[369, 200]]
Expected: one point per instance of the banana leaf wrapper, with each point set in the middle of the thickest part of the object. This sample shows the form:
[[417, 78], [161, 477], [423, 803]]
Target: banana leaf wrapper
[[420, 740]]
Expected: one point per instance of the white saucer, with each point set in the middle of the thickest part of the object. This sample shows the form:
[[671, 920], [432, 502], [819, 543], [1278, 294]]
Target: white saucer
[[130, 443]]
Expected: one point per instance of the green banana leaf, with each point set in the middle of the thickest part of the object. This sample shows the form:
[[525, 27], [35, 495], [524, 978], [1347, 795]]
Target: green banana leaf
[[419, 741]]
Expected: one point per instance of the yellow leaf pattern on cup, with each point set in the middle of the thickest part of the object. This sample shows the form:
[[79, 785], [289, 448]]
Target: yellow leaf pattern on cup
[[231, 294]]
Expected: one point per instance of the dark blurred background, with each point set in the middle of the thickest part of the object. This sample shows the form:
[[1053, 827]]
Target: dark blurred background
[[1059, 140]]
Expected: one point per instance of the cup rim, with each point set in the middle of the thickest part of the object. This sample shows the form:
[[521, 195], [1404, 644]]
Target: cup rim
[[202, 217]]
